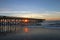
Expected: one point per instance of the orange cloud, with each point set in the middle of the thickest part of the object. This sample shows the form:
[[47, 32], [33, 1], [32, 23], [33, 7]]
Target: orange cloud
[[52, 18]]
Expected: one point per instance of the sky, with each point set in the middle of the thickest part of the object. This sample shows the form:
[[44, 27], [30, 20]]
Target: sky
[[45, 9]]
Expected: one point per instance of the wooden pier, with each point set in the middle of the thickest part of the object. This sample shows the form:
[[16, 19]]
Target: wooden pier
[[6, 22]]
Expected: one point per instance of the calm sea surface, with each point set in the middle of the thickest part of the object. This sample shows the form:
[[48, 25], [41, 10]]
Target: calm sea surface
[[48, 30]]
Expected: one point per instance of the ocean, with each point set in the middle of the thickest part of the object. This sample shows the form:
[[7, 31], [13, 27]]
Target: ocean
[[47, 30], [48, 24], [51, 24]]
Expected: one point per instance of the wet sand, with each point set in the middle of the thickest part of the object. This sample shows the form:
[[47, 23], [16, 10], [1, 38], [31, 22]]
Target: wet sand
[[34, 34]]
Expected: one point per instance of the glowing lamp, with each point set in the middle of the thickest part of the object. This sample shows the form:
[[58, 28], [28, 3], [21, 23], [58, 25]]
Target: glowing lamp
[[25, 20]]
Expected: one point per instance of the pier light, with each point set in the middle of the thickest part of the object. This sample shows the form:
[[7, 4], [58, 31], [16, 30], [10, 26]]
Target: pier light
[[12, 20], [16, 20], [26, 20], [5, 20]]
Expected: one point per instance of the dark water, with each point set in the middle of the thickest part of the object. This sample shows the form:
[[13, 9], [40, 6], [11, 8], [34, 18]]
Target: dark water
[[51, 24], [49, 30], [33, 37]]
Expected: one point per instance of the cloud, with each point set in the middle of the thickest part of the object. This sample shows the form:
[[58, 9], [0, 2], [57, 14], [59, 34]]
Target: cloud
[[52, 15], [15, 11], [30, 14]]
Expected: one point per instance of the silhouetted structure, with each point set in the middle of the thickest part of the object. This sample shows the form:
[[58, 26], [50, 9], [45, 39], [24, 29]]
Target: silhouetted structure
[[9, 21]]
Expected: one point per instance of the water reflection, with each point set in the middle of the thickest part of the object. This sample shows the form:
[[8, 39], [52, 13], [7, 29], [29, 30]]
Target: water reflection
[[24, 32]]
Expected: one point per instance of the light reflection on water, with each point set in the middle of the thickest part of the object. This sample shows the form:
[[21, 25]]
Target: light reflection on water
[[35, 33]]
